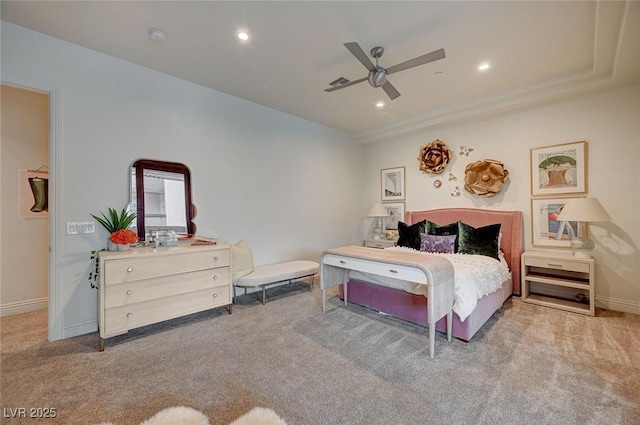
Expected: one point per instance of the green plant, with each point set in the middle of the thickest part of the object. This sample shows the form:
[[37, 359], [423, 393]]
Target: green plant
[[115, 221]]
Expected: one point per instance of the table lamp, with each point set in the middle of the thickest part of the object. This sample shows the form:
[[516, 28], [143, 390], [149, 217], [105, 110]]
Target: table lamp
[[583, 211], [377, 211]]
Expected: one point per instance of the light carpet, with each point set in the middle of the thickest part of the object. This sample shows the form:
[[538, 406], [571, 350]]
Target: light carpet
[[351, 366]]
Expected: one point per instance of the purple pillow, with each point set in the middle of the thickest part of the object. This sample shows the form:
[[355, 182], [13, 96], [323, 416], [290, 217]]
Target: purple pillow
[[440, 244]]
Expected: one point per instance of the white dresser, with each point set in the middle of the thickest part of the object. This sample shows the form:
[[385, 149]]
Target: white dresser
[[147, 285]]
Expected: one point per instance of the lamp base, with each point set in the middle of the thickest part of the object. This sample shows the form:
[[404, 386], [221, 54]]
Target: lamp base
[[582, 247]]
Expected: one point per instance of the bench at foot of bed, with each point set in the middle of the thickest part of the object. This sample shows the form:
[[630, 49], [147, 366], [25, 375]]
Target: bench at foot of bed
[[263, 276]]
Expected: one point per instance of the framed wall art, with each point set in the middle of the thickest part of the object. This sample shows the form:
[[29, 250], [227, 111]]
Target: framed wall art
[[33, 193], [546, 230], [392, 184], [559, 169], [396, 214]]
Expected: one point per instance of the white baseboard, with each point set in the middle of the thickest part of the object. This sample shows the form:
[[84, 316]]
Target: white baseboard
[[19, 307], [618, 305], [87, 327]]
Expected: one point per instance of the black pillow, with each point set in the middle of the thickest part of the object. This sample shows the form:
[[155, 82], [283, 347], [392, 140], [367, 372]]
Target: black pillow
[[409, 236], [480, 241], [444, 230]]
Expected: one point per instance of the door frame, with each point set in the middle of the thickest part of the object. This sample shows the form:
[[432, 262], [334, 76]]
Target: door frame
[[55, 193]]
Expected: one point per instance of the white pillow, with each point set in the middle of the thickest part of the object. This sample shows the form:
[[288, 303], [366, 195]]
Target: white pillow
[[241, 260]]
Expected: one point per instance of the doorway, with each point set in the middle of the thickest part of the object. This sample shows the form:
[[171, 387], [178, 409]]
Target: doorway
[[55, 226], [24, 264]]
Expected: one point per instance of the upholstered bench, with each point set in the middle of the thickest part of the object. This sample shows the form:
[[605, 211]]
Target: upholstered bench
[[263, 276]]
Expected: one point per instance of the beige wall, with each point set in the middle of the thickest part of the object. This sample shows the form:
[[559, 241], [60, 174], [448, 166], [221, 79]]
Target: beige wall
[[284, 184], [608, 121], [25, 241]]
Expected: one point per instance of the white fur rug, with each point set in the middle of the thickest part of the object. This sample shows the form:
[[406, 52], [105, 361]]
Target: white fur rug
[[187, 416], [259, 416]]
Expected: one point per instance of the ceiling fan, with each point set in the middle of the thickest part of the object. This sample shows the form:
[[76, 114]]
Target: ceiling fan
[[378, 75]]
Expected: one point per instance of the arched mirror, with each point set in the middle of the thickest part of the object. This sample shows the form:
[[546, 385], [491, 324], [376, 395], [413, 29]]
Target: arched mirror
[[161, 195]]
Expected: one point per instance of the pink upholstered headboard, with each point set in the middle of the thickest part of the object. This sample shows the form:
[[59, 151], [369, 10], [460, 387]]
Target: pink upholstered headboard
[[511, 229]]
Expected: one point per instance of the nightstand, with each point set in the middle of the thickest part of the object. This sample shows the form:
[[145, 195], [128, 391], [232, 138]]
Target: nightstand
[[380, 243], [559, 280]]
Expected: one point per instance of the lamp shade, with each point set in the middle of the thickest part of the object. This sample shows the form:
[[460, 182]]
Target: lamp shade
[[377, 210], [583, 209]]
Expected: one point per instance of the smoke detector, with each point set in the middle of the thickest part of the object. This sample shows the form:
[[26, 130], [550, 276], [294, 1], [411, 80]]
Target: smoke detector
[[157, 36]]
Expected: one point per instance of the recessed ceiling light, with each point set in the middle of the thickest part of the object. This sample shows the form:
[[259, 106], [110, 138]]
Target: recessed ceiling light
[[243, 36], [379, 104], [157, 36], [484, 66]]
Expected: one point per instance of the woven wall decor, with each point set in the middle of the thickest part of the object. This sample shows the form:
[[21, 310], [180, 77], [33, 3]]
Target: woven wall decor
[[434, 157], [485, 177]]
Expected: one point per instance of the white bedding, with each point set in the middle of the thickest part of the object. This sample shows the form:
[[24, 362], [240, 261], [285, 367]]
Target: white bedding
[[475, 277]]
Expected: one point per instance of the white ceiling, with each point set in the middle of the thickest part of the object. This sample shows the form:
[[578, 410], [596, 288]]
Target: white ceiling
[[539, 52]]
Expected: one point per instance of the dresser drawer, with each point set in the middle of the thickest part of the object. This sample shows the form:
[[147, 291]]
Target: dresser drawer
[[139, 268], [126, 293], [119, 320], [557, 264]]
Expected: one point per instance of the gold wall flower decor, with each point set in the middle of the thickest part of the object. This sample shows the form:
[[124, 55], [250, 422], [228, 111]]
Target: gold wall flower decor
[[434, 157], [485, 177]]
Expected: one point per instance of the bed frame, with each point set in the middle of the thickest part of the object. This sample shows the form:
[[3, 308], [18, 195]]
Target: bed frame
[[412, 307]]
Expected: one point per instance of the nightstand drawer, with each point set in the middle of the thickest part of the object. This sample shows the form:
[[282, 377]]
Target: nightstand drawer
[[380, 243], [557, 264]]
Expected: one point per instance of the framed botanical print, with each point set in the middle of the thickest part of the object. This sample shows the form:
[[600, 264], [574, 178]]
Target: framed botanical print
[[392, 184], [546, 230], [396, 214], [559, 169]]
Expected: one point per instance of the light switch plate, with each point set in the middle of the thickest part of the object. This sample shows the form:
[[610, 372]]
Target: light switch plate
[[81, 228]]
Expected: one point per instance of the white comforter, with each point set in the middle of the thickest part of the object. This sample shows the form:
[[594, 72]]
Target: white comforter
[[475, 277]]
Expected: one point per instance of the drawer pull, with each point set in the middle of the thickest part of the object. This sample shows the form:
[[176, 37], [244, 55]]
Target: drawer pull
[[129, 315], [129, 292], [215, 295], [554, 265], [215, 277], [215, 258], [130, 269], [343, 262], [393, 271]]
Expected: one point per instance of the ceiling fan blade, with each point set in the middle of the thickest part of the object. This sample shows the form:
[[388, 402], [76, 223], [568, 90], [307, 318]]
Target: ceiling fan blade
[[357, 51], [390, 90], [420, 60], [350, 83]]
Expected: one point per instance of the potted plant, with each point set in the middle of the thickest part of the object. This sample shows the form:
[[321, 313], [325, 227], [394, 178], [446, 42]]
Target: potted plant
[[117, 224], [115, 221]]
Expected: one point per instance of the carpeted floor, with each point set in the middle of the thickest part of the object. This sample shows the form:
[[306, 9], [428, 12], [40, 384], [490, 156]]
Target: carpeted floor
[[528, 365]]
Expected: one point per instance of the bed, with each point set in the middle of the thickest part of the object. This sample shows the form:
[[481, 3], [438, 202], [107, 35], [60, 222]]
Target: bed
[[412, 307]]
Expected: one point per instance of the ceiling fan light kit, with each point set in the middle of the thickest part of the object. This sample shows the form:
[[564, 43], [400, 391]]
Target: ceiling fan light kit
[[377, 76]]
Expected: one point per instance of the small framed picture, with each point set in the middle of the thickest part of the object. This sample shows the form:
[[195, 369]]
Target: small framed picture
[[392, 184], [33, 194], [396, 214], [546, 230], [559, 169]]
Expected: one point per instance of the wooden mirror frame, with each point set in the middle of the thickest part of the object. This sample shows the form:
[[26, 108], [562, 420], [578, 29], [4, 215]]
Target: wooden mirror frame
[[172, 167]]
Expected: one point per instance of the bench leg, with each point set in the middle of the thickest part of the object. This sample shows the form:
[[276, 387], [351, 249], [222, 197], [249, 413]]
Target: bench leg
[[311, 282]]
